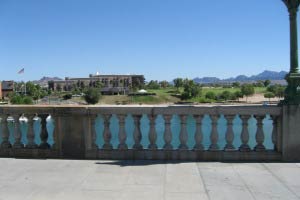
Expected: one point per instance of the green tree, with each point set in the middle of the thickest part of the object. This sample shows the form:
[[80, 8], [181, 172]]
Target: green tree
[[277, 89], [226, 95], [27, 100], [67, 96], [164, 84], [20, 99], [267, 83], [58, 87], [238, 94], [191, 90], [178, 82], [236, 84], [269, 95], [92, 96], [247, 90], [153, 84], [210, 95]]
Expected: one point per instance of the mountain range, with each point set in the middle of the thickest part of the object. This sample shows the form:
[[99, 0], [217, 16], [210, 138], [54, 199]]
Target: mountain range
[[44, 81], [265, 75]]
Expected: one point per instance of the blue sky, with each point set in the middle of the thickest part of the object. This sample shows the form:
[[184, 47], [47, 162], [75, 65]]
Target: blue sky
[[162, 39]]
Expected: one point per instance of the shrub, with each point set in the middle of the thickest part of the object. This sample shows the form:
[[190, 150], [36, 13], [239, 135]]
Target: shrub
[[18, 99], [269, 95], [226, 95], [210, 95], [27, 100], [247, 90], [67, 96], [92, 95]]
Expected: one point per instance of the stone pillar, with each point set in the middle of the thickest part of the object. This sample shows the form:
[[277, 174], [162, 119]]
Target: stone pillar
[[91, 143], [30, 134], [152, 133], [106, 133], [122, 133], [183, 136], [198, 135], [168, 133], [292, 93], [5, 132], [259, 136], [214, 134], [291, 133], [275, 132], [44, 133], [229, 133], [71, 130], [137, 135], [245, 134], [17, 134]]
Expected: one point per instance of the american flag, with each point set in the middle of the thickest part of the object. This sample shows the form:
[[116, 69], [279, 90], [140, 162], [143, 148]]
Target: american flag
[[21, 71]]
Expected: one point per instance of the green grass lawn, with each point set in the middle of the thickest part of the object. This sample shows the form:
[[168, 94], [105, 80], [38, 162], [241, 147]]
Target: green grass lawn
[[166, 95], [163, 96], [219, 90]]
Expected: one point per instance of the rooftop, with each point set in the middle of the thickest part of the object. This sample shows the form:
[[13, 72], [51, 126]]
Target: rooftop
[[91, 179]]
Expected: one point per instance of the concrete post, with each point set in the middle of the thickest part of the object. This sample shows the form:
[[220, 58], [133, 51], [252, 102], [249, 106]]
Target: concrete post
[[259, 136], [137, 135], [214, 136], [5, 132], [17, 134], [152, 133], [291, 133], [30, 133], [245, 134], [229, 133], [122, 133], [168, 133], [198, 135], [183, 136], [72, 129]]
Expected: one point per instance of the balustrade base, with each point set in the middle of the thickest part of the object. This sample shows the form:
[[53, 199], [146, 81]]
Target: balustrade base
[[5, 145], [259, 148], [31, 146], [244, 148], [107, 146], [199, 147], [30, 153], [229, 147], [152, 146], [18, 146], [214, 147], [191, 155]]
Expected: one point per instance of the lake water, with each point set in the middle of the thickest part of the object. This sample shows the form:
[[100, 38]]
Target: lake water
[[175, 128]]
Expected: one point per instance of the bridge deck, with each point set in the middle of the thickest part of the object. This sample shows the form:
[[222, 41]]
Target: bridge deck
[[89, 179]]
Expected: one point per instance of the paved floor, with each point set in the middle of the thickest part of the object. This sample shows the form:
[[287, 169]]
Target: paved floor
[[73, 179]]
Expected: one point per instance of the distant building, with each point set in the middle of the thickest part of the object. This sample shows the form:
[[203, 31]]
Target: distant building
[[7, 87], [110, 84]]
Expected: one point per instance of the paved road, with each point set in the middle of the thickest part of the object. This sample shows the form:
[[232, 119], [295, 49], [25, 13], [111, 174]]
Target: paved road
[[28, 179]]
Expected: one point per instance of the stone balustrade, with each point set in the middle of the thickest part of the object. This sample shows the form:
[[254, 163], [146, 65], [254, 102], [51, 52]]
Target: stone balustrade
[[26, 132]]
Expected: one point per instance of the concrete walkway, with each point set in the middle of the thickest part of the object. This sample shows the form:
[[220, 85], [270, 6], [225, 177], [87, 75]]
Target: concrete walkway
[[28, 179]]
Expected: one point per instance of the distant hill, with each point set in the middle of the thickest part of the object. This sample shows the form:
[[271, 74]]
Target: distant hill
[[277, 77], [43, 82]]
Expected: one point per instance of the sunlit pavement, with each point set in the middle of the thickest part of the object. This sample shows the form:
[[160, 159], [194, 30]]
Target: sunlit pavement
[[95, 179]]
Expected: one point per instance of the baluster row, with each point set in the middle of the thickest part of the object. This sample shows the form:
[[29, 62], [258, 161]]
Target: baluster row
[[18, 121], [183, 135]]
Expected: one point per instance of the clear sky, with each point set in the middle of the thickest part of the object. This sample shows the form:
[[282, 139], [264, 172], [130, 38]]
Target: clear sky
[[162, 39]]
